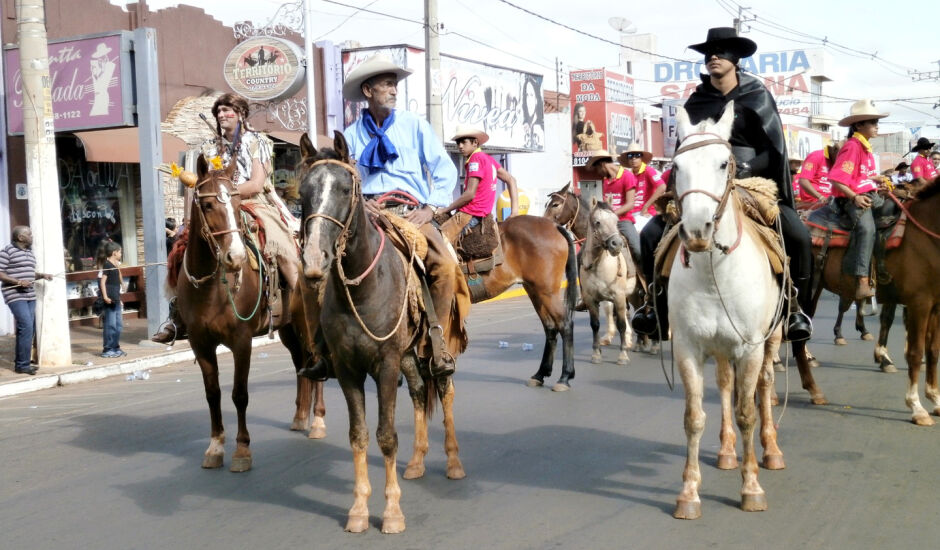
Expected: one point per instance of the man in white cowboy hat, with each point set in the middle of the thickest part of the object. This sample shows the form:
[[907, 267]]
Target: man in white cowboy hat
[[759, 149], [922, 169], [479, 188], [855, 178], [619, 190], [649, 184], [394, 150]]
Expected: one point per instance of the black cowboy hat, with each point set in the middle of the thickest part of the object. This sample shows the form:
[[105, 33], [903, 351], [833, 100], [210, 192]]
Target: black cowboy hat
[[902, 166], [726, 39], [922, 143]]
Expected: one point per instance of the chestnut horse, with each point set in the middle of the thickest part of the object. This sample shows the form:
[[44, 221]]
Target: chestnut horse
[[912, 266], [369, 328], [221, 300], [540, 255]]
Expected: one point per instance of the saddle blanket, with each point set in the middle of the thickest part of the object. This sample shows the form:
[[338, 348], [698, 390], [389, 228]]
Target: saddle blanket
[[823, 223]]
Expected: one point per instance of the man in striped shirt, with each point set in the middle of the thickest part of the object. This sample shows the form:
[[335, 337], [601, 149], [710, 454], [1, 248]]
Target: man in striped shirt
[[17, 275]]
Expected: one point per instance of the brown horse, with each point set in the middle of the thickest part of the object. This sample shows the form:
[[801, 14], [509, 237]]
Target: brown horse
[[540, 255], [221, 300], [374, 324], [912, 266]]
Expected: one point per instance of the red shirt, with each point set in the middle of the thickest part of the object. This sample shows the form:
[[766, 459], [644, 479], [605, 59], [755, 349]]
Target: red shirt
[[921, 167], [615, 191], [480, 165], [646, 182], [815, 169], [854, 167]]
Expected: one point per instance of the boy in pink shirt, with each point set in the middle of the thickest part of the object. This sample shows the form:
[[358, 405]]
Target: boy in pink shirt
[[619, 189], [479, 190], [649, 184], [854, 176], [814, 174]]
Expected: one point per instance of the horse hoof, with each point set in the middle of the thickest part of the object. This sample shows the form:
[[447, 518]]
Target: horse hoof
[[813, 363], [888, 367], [754, 503], [604, 341], [240, 464], [596, 359], [299, 425], [819, 400], [778, 366], [534, 383], [687, 510], [840, 341], [393, 524], [561, 387], [727, 462], [868, 337], [922, 420], [455, 470], [774, 462], [212, 461], [317, 429], [623, 361], [357, 524], [413, 471]]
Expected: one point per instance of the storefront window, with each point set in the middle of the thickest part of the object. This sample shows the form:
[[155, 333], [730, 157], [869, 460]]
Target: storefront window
[[90, 194]]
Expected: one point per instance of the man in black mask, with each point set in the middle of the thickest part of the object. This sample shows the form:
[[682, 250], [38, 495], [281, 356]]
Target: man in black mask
[[759, 149]]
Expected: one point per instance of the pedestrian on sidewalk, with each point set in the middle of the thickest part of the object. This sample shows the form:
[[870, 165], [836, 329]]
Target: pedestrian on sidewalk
[[17, 275], [110, 285]]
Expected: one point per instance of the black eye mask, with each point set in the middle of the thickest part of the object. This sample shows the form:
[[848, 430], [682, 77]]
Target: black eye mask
[[720, 54]]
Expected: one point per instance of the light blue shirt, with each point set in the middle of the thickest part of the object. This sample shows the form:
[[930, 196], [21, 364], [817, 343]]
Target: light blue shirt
[[419, 149]]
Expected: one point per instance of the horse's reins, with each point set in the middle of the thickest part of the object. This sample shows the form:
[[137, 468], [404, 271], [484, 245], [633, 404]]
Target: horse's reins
[[341, 249], [209, 235], [912, 218]]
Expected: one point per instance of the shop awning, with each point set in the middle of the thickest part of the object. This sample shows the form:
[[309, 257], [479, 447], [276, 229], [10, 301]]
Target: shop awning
[[123, 145]]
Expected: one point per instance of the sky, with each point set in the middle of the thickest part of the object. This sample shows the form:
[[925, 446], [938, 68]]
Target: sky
[[873, 47]]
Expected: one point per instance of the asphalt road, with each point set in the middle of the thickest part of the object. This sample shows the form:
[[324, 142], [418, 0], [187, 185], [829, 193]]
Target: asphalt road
[[115, 464]]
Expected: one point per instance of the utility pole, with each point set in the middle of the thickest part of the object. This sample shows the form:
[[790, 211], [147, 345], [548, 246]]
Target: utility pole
[[311, 76], [42, 182], [557, 84], [432, 66], [740, 19]]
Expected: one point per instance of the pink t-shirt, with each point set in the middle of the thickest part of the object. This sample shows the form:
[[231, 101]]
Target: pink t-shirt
[[815, 169], [854, 167], [615, 191], [921, 167], [480, 165], [646, 182]]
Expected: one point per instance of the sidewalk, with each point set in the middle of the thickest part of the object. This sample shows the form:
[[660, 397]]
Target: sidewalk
[[87, 365]]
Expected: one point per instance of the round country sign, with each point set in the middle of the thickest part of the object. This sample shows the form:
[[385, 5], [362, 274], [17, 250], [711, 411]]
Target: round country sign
[[265, 68]]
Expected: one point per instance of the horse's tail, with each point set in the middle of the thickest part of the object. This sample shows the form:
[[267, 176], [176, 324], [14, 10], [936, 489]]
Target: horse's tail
[[430, 397], [571, 274]]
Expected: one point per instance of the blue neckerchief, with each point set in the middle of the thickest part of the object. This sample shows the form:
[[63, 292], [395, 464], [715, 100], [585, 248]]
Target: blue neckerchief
[[380, 149]]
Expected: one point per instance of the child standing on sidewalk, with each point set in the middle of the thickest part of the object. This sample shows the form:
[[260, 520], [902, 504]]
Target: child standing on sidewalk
[[109, 286]]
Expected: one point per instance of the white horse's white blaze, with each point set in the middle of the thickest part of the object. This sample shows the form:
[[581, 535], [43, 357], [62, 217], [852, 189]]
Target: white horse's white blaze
[[721, 305], [314, 256]]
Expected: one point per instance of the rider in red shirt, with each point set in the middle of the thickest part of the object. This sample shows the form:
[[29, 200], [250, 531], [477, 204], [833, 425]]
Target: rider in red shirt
[[619, 189], [922, 169]]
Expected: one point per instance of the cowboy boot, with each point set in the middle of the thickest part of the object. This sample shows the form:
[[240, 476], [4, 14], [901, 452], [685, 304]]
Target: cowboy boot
[[799, 326], [173, 329], [319, 371], [864, 289]]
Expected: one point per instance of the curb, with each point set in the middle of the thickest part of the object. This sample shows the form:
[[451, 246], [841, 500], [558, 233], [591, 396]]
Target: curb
[[88, 374]]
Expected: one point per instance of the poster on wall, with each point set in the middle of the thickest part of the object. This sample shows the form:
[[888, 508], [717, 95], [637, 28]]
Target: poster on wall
[[506, 103], [91, 83], [602, 113]]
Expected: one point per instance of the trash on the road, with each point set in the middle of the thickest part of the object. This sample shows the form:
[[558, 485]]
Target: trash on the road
[[138, 375], [88, 364], [178, 380], [503, 344], [526, 347], [169, 348], [262, 355], [34, 406]]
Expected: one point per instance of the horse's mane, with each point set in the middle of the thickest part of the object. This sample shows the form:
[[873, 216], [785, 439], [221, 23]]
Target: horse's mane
[[931, 189], [604, 206]]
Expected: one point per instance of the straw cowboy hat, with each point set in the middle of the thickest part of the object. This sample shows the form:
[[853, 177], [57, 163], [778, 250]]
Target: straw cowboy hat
[[863, 109], [467, 131], [635, 148], [726, 39], [922, 143], [373, 66], [598, 157]]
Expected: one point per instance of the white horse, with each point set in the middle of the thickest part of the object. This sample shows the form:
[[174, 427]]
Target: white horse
[[722, 302], [603, 277]]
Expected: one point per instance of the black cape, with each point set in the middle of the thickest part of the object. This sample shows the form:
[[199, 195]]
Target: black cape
[[756, 124]]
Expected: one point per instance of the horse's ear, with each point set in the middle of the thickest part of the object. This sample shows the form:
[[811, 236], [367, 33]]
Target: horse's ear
[[683, 124], [566, 188], [340, 146], [307, 150], [726, 121], [593, 203], [202, 167]]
